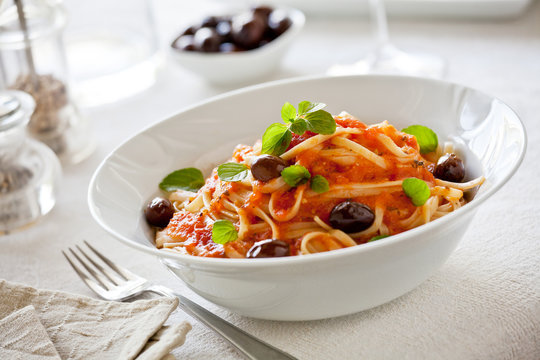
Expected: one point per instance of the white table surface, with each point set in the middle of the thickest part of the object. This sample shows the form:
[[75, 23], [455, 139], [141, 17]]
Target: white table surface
[[501, 58]]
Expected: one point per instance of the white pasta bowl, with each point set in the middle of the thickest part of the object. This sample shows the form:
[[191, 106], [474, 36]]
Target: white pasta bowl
[[487, 132], [244, 66]]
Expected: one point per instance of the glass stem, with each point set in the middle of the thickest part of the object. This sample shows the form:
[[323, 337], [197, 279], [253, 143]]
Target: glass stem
[[380, 23]]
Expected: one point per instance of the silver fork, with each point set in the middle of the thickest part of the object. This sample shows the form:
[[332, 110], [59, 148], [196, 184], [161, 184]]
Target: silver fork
[[114, 282]]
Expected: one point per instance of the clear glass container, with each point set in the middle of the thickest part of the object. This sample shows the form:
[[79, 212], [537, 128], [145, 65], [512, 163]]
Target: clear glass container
[[32, 59], [29, 170]]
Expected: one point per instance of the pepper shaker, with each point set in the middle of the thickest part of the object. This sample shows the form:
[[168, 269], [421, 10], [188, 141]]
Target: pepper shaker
[[29, 170], [32, 59]]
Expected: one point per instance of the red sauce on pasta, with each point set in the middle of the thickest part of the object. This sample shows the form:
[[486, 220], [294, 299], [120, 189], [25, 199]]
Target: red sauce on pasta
[[345, 172]]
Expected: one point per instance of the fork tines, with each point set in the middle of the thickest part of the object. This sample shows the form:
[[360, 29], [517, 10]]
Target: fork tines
[[98, 277]]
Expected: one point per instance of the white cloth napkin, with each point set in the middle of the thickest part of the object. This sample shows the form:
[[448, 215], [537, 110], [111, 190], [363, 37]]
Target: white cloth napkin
[[44, 324]]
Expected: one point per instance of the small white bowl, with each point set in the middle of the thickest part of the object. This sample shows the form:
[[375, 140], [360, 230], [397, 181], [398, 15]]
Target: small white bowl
[[243, 66], [320, 285]]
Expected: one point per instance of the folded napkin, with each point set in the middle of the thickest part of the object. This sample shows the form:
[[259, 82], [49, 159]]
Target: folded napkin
[[44, 324]]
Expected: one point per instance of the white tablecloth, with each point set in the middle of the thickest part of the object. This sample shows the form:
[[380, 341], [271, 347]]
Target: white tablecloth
[[484, 303]]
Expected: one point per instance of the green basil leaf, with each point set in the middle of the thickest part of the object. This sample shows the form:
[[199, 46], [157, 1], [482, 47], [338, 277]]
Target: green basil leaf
[[378, 237], [232, 172], [426, 138], [306, 107], [189, 179], [299, 126], [276, 139], [319, 184], [223, 231], [417, 190], [295, 175], [321, 122], [288, 112]]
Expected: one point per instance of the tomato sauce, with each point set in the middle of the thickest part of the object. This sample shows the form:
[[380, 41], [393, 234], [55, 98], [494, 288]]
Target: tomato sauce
[[196, 234]]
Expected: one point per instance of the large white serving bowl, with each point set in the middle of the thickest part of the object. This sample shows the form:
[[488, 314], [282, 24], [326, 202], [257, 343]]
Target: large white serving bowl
[[487, 132]]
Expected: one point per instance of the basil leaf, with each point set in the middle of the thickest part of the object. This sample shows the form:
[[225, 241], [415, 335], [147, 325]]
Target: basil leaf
[[288, 112], [276, 139], [426, 138], [232, 171], [189, 179], [306, 107], [295, 175], [223, 231], [299, 126], [319, 184], [321, 122], [378, 237], [417, 190]]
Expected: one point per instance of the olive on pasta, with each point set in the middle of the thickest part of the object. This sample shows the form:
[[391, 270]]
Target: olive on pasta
[[450, 168], [351, 217], [159, 212], [269, 248]]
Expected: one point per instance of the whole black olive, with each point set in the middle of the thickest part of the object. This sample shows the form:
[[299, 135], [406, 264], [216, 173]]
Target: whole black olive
[[206, 40], [450, 168], [279, 22], [184, 43], [223, 28], [269, 248], [228, 47], [159, 212], [350, 216], [247, 30], [267, 167], [262, 10], [210, 21], [190, 30]]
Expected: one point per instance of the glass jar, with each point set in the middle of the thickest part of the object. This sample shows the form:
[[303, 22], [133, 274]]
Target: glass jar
[[32, 59], [29, 170]]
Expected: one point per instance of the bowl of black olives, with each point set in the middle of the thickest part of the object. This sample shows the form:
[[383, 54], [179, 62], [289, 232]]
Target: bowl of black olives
[[240, 47]]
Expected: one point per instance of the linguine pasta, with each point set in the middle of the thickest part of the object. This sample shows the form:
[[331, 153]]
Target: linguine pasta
[[365, 164]]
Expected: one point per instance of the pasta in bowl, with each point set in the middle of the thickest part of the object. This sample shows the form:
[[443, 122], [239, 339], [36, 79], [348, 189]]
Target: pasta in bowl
[[485, 134], [342, 184]]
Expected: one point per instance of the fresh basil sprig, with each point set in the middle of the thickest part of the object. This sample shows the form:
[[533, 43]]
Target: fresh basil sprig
[[295, 175], [189, 179], [417, 190], [309, 116], [319, 184], [276, 139], [426, 138], [232, 171], [223, 231]]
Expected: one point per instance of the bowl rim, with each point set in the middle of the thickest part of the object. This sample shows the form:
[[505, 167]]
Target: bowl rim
[[298, 20], [312, 258]]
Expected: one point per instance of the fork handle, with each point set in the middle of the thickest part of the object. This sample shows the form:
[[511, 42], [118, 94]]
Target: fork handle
[[247, 344]]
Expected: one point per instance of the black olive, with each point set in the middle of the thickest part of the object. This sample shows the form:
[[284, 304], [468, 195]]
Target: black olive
[[450, 168], [190, 30], [350, 216], [223, 28], [210, 21], [159, 212], [227, 47], [247, 30], [267, 167], [279, 22], [207, 40], [269, 248], [184, 43], [262, 10]]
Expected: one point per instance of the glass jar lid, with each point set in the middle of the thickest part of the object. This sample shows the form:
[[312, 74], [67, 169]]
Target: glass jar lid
[[15, 109]]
